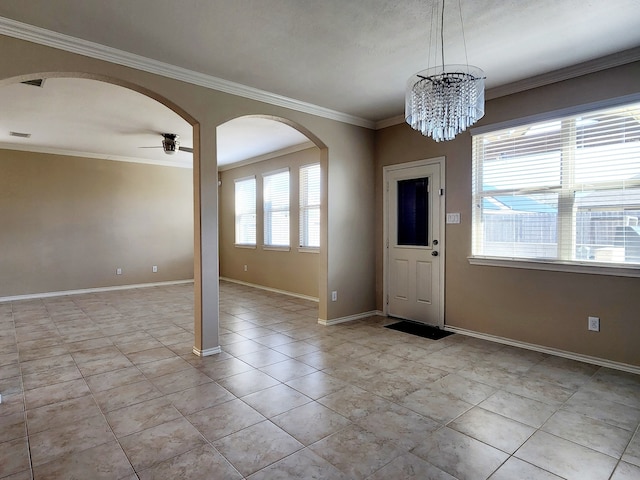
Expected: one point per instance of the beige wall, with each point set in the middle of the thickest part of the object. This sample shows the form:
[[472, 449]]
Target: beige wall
[[543, 308], [347, 154], [69, 222], [292, 271]]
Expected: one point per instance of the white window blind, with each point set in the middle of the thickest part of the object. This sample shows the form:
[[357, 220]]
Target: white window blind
[[276, 209], [245, 193], [310, 205], [565, 190]]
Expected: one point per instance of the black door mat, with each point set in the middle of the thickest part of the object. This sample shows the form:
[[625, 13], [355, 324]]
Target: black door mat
[[419, 329]]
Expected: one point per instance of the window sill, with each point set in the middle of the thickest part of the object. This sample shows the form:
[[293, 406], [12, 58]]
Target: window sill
[[241, 245], [275, 248], [586, 268], [309, 249]]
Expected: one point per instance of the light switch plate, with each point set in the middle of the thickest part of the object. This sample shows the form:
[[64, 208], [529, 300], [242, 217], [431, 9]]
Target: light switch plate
[[453, 218]]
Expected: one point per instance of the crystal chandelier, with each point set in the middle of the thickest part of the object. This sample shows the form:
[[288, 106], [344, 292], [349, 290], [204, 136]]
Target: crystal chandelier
[[445, 100]]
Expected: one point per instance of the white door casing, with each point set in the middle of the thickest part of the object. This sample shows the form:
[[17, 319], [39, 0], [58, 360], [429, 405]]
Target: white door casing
[[414, 241]]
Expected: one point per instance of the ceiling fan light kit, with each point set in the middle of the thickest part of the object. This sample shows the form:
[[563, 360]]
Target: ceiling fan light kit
[[445, 100], [170, 143]]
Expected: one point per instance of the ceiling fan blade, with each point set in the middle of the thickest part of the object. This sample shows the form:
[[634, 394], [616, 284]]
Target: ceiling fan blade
[[157, 146], [186, 149]]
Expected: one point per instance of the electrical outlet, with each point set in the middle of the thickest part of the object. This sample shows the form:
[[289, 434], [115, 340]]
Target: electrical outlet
[[594, 324], [334, 296], [154, 269], [246, 268], [118, 271]]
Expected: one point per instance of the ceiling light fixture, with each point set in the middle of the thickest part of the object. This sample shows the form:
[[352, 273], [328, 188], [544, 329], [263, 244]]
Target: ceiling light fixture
[[170, 143], [445, 100]]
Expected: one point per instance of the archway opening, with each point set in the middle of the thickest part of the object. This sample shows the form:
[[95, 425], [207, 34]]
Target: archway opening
[[272, 177]]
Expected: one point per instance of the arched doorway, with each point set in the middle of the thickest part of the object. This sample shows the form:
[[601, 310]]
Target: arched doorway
[[100, 254], [270, 205]]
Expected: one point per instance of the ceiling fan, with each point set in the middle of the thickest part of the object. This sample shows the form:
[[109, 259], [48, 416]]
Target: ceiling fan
[[171, 145]]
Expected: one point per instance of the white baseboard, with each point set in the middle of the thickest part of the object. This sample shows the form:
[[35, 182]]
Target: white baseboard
[[208, 352], [269, 289], [32, 296], [350, 318], [625, 367]]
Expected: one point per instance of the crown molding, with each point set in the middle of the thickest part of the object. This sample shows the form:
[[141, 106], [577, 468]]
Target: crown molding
[[268, 156], [584, 68], [390, 122], [42, 36], [74, 153], [567, 73]]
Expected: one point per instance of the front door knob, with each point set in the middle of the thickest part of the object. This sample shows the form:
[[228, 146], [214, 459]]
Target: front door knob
[[434, 253]]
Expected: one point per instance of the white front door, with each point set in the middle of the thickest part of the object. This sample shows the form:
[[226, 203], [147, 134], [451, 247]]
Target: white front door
[[414, 227]]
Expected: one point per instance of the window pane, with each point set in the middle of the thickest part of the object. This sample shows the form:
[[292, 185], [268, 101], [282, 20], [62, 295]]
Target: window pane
[[606, 231], [310, 205], [245, 211], [413, 203], [276, 209], [519, 226], [566, 189]]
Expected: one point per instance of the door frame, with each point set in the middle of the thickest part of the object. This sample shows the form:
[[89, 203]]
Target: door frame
[[386, 170]]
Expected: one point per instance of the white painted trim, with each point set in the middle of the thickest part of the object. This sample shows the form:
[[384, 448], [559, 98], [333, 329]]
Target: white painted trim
[[309, 249], [99, 156], [625, 367], [350, 318], [32, 296], [567, 73], [590, 268], [390, 122], [554, 114], [268, 156], [42, 36], [208, 352], [269, 289]]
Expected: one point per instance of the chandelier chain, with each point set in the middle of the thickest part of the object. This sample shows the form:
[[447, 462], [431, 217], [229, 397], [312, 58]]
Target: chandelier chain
[[445, 100]]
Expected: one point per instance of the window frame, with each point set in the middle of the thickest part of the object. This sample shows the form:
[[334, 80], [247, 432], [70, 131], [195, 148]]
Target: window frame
[[266, 213], [560, 264], [305, 207], [255, 212]]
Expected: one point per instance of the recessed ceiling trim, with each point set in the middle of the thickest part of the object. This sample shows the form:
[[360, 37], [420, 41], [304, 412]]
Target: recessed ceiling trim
[[42, 36], [98, 156]]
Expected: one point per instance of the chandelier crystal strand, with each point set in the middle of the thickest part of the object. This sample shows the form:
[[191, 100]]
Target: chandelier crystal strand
[[445, 100], [441, 102]]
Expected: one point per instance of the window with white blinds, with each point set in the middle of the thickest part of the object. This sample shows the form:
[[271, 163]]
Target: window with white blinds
[[565, 190], [276, 209], [310, 206], [245, 211]]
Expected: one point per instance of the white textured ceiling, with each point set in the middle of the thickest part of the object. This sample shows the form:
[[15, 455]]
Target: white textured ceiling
[[351, 56], [91, 118]]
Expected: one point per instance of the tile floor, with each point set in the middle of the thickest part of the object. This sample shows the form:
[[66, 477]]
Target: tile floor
[[105, 386]]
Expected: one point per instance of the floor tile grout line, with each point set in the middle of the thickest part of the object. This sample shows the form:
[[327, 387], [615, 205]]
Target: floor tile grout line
[[557, 408], [620, 460], [23, 394]]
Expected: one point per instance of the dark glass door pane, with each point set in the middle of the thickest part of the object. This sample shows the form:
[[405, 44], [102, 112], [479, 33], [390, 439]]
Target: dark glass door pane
[[413, 204]]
